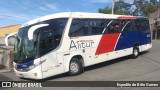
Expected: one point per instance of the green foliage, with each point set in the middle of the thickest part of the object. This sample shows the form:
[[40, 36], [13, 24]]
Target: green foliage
[[122, 6], [148, 9], [142, 7], [106, 10]]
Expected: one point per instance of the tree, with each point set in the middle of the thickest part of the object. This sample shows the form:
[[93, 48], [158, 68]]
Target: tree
[[121, 7], [148, 9], [145, 7], [153, 2], [141, 7], [138, 4], [106, 10]]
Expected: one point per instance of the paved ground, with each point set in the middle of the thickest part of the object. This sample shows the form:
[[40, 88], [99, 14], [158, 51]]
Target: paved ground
[[145, 68]]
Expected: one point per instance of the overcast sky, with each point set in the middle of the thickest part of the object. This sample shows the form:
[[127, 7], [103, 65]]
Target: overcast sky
[[19, 11]]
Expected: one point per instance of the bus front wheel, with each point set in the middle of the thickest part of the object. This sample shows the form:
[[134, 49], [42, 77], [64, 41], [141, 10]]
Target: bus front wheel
[[75, 67], [135, 52]]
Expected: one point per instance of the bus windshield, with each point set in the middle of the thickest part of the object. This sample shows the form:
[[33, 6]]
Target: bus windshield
[[24, 48], [45, 39]]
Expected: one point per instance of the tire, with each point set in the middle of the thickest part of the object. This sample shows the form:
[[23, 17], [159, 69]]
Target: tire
[[135, 53], [75, 67]]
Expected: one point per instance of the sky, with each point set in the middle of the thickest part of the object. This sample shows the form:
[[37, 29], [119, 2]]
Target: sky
[[20, 11]]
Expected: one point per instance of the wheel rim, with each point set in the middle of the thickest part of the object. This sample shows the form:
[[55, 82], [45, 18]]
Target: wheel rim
[[135, 52], [74, 67]]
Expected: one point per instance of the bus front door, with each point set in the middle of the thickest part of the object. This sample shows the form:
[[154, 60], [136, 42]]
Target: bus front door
[[49, 67]]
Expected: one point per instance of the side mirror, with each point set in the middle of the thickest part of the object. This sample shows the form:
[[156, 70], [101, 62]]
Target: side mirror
[[33, 28], [8, 36]]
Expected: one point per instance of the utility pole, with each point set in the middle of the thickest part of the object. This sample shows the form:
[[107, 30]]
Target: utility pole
[[113, 6]]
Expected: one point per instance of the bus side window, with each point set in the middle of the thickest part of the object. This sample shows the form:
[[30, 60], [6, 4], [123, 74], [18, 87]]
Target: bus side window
[[138, 25], [79, 27], [133, 26], [46, 41], [144, 25], [50, 36], [116, 26], [75, 28], [130, 27], [127, 28], [97, 26]]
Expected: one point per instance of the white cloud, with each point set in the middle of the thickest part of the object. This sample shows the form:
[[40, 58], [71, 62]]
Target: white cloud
[[52, 7], [129, 1], [43, 9]]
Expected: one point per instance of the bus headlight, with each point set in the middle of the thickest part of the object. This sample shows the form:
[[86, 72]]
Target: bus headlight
[[35, 65]]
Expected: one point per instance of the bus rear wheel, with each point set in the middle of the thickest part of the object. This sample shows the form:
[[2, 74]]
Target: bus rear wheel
[[75, 67], [135, 52]]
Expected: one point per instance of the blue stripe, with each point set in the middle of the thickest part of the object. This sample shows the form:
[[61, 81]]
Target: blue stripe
[[25, 65], [129, 39]]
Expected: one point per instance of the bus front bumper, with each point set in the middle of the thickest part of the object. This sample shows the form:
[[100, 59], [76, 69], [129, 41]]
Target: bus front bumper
[[31, 74]]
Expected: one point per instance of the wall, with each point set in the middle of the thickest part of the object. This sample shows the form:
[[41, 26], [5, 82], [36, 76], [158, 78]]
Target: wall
[[2, 41], [4, 58]]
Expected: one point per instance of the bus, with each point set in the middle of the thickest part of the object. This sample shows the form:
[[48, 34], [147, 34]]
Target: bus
[[69, 41]]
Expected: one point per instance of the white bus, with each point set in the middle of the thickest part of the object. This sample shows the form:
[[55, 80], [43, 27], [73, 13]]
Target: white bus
[[68, 42]]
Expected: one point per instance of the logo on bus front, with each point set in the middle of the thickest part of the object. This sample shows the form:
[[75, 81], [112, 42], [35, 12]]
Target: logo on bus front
[[81, 44]]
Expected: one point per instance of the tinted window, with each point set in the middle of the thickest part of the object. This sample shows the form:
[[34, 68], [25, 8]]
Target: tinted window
[[116, 26], [97, 26], [47, 41], [85, 27], [130, 26], [50, 36], [142, 24], [79, 27], [145, 25]]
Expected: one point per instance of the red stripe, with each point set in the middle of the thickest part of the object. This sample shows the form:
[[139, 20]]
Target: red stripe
[[107, 43], [86, 40], [127, 17]]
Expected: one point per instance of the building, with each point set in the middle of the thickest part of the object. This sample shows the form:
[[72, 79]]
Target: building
[[155, 24], [8, 29], [4, 31], [6, 52]]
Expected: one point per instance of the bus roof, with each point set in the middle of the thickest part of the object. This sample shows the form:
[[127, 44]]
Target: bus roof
[[79, 15]]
